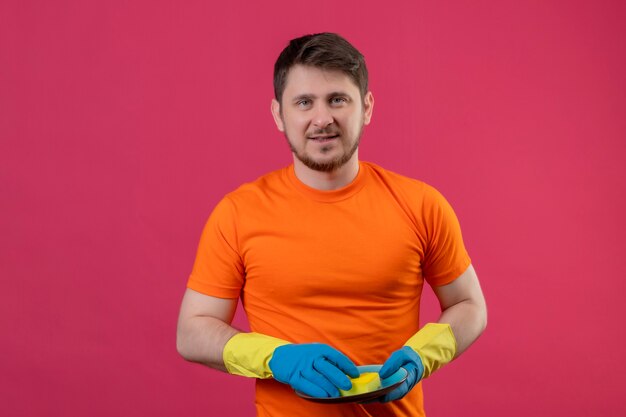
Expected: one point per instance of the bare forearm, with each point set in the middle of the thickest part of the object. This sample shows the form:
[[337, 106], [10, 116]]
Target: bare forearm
[[202, 339], [468, 320]]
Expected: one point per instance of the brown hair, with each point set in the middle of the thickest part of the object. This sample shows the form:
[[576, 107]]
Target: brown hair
[[323, 50]]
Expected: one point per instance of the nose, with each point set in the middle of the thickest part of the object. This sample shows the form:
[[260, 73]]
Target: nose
[[322, 117]]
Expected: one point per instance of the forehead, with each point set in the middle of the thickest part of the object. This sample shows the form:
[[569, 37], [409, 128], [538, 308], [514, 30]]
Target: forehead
[[305, 79]]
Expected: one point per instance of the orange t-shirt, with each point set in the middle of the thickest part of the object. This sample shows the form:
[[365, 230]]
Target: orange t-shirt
[[343, 267]]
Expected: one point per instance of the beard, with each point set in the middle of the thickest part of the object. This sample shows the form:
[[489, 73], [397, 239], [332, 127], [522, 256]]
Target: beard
[[326, 166]]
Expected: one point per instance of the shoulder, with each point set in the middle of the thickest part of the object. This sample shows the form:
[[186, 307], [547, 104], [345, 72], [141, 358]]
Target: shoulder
[[412, 188], [272, 182], [247, 199]]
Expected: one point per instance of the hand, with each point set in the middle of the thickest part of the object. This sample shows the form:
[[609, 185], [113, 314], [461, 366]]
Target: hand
[[314, 369], [405, 358]]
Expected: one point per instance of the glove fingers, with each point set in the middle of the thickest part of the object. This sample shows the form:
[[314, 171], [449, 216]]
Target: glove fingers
[[342, 362], [397, 393], [332, 373], [412, 378], [313, 377], [391, 365], [309, 388], [315, 369]]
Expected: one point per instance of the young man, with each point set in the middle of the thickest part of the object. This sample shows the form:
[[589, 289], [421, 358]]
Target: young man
[[329, 257]]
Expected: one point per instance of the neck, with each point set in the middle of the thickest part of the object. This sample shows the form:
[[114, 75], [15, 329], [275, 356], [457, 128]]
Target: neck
[[327, 181]]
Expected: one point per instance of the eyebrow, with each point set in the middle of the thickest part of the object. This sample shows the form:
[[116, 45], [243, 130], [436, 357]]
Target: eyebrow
[[313, 96]]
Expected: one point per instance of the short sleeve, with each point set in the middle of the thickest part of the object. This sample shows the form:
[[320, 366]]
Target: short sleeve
[[445, 258], [218, 269]]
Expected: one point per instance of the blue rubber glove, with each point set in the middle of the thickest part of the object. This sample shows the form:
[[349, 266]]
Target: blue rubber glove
[[314, 369], [405, 358]]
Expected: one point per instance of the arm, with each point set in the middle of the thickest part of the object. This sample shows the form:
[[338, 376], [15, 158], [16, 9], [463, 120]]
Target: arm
[[463, 307], [204, 328], [463, 319], [205, 336]]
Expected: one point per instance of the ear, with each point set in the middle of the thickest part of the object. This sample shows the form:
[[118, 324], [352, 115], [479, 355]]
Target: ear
[[368, 107], [278, 119]]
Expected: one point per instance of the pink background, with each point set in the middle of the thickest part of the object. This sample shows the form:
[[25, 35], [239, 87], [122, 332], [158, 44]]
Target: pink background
[[123, 123]]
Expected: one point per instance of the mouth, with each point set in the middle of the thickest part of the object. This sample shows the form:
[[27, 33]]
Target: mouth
[[323, 138]]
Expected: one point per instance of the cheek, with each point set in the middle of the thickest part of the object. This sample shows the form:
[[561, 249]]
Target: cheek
[[295, 124], [293, 132], [353, 123]]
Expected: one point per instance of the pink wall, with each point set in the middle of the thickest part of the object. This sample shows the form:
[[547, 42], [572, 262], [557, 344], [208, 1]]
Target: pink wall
[[123, 123]]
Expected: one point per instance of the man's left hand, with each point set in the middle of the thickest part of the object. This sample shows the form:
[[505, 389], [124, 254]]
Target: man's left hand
[[405, 358]]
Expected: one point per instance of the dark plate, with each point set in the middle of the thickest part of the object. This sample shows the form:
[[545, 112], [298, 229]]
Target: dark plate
[[388, 384]]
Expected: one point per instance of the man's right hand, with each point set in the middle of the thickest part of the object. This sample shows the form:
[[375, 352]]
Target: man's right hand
[[314, 369]]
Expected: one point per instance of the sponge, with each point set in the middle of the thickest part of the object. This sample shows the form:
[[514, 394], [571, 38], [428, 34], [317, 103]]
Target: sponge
[[366, 382]]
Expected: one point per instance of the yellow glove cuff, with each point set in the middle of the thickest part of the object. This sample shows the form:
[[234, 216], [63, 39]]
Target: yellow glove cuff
[[248, 354], [436, 345]]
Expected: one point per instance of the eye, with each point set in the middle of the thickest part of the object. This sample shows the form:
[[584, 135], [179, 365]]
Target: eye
[[338, 100], [303, 103]]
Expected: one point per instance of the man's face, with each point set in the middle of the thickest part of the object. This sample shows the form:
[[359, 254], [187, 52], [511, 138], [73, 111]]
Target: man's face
[[322, 115]]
